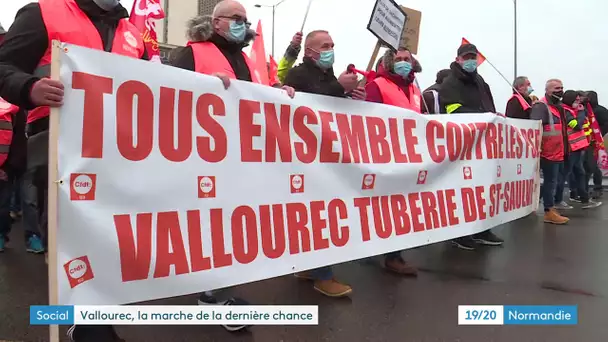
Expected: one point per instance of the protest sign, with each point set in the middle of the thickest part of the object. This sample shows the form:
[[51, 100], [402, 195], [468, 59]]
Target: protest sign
[[387, 22], [167, 184], [411, 30]]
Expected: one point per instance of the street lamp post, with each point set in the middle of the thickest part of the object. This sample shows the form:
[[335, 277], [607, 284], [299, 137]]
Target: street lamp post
[[273, 12]]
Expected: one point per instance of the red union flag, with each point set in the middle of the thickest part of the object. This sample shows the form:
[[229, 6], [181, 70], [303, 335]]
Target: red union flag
[[480, 57], [258, 57], [143, 14]]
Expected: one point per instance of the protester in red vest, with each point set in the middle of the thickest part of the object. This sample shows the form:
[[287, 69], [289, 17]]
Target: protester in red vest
[[553, 147], [574, 172], [216, 45], [25, 57], [216, 48], [520, 103], [394, 83]]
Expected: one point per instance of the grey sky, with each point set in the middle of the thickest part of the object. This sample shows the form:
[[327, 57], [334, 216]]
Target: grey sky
[[556, 38]]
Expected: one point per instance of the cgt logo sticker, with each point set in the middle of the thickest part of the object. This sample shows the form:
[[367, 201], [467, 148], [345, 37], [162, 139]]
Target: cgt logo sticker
[[519, 169], [296, 183], [82, 186], [422, 177], [369, 180], [467, 173], [206, 187], [78, 271]]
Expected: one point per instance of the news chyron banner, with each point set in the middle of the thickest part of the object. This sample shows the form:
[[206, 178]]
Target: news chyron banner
[[171, 184]]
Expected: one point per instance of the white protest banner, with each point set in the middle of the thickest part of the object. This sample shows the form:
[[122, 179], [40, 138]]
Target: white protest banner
[[387, 22], [168, 184]]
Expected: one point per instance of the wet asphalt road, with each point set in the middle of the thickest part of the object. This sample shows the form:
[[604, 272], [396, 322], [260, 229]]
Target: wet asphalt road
[[539, 264]]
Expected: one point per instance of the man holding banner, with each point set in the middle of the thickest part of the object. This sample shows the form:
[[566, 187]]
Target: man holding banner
[[25, 68], [316, 75], [465, 91]]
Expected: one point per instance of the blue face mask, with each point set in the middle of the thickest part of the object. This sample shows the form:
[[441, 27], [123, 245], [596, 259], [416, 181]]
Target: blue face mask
[[326, 59], [470, 65], [403, 68], [530, 90], [237, 32]]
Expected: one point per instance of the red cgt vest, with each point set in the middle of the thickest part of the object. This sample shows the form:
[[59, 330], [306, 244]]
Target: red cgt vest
[[208, 59], [524, 104], [66, 22], [553, 140], [576, 138], [7, 111], [393, 95]]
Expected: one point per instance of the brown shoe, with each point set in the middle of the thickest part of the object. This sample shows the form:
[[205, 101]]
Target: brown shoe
[[552, 216], [332, 288], [399, 266], [306, 275]]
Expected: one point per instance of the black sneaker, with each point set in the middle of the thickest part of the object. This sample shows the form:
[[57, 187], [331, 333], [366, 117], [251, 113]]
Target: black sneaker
[[93, 333], [576, 199], [487, 238], [465, 243], [205, 299], [591, 204]]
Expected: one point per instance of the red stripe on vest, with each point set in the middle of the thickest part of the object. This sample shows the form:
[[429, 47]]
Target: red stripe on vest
[[524, 104], [208, 59], [552, 147], [66, 22], [576, 138], [7, 111]]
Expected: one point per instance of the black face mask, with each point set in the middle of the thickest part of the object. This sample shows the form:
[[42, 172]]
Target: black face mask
[[558, 94]]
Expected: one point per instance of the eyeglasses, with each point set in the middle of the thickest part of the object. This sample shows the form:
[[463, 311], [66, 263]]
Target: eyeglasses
[[237, 19]]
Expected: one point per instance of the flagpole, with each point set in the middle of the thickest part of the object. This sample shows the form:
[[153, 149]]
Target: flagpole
[[306, 15], [515, 39]]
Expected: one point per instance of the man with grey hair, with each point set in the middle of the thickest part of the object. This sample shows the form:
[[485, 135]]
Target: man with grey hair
[[520, 103], [554, 146], [216, 45]]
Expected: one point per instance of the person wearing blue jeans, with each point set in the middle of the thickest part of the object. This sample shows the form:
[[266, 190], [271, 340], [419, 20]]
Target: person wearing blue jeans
[[551, 173], [5, 201], [31, 214], [577, 181]]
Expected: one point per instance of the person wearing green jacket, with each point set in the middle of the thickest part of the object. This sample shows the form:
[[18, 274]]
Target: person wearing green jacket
[[289, 59]]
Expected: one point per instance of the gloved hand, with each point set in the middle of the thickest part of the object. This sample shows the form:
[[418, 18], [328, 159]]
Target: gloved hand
[[573, 123]]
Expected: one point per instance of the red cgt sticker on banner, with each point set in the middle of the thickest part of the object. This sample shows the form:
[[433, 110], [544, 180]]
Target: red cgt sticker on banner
[[519, 169], [467, 173], [206, 186], [78, 271], [296, 183], [369, 180], [82, 186], [422, 177]]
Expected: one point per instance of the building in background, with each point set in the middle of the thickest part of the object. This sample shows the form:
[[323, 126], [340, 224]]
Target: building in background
[[171, 31]]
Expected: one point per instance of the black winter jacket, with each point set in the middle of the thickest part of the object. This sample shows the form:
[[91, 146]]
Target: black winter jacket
[[467, 89]]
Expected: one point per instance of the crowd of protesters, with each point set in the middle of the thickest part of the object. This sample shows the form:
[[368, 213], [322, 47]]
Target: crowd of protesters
[[573, 121]]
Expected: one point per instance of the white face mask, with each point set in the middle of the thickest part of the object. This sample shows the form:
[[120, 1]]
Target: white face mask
[[107, 5]]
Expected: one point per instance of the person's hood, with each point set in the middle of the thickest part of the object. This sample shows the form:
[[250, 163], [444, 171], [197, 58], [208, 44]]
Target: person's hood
[[593, 100], [385, 69], [200, 29], [90, 8], [462, 75], [2, 30]]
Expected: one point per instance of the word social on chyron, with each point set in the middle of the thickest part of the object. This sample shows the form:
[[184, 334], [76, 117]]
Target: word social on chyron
[[517, 315], [174, 315]]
